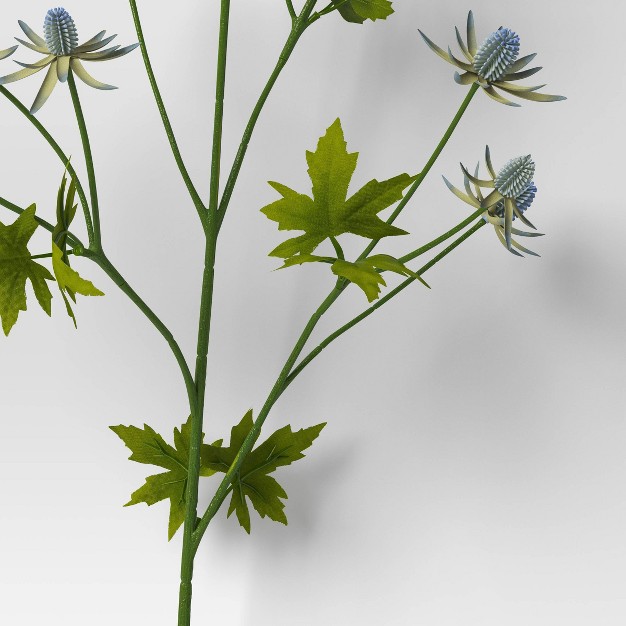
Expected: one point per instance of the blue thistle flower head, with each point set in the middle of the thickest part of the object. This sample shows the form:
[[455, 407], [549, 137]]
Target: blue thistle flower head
[[515, 176], [496, 54], [62, 54], [493, 65], [512, 192], [523, 201], [60, 32]]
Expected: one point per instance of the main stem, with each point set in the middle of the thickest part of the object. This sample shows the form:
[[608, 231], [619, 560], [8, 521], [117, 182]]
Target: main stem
[[204, 328], [91, 175]]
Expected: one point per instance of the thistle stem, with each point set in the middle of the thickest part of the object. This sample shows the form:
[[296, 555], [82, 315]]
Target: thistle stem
[[204, 327], [64, 159], [431, 161], [200, 208], [100, 259], [299, 25], [91, 175]]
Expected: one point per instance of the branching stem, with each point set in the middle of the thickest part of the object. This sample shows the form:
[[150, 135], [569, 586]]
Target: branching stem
[[197, 201], [299, 25]]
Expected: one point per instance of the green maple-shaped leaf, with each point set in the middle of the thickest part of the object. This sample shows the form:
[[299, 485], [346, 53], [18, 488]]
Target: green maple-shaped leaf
[[147, 446], [16, 267], [283, 447], [329, 212], [68, 280], [363, 273], [358, 11]]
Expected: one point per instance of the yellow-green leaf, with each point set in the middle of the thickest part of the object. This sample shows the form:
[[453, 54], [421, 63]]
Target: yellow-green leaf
[[330, 212], [70, 281], [252, 482], [16, 267], [148, 447]]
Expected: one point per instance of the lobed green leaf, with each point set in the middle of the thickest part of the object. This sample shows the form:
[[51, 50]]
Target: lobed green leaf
[[16, 267], [252, 482], [148, 447]]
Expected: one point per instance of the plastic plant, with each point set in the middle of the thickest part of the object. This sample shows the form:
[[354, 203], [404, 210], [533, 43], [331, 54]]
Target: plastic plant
[[330, 211]]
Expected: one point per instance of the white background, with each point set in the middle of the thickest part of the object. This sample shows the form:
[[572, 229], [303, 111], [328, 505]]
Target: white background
[[472, 470]]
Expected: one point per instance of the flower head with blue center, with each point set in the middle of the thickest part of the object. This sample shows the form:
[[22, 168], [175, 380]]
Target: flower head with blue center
[[513, 191], [62, 53], [493, 64]]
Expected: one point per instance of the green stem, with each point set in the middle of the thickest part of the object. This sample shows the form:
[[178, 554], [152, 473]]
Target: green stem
[[47, 255], [200, 208], [338, 249], [326, 10], [300, 24], [435, 242], [57, 149], [72, 239], [431, 161], [292, 11], [204, 328], [403, 285], [253, 435], [91, 175]]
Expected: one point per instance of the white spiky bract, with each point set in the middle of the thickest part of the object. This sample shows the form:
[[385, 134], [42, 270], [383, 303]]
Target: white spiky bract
[[515, 176], [496, 55], [60, 32]]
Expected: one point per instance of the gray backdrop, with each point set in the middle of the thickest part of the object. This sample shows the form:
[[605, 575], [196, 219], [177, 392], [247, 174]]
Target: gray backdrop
[[472, 470]]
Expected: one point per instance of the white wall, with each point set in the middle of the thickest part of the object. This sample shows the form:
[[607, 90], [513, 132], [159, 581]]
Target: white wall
[[472, 470]]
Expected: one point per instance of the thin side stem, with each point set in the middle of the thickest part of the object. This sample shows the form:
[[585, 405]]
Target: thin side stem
[[326, 10], [300, 24], [394, 292], [204, 331], [338, 248], [435, 242], [292, 11], [91, 175], [47, 255], [57, 149], [254, 433], [72, 239], [100, 259], [197, 201], [431, 161]]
